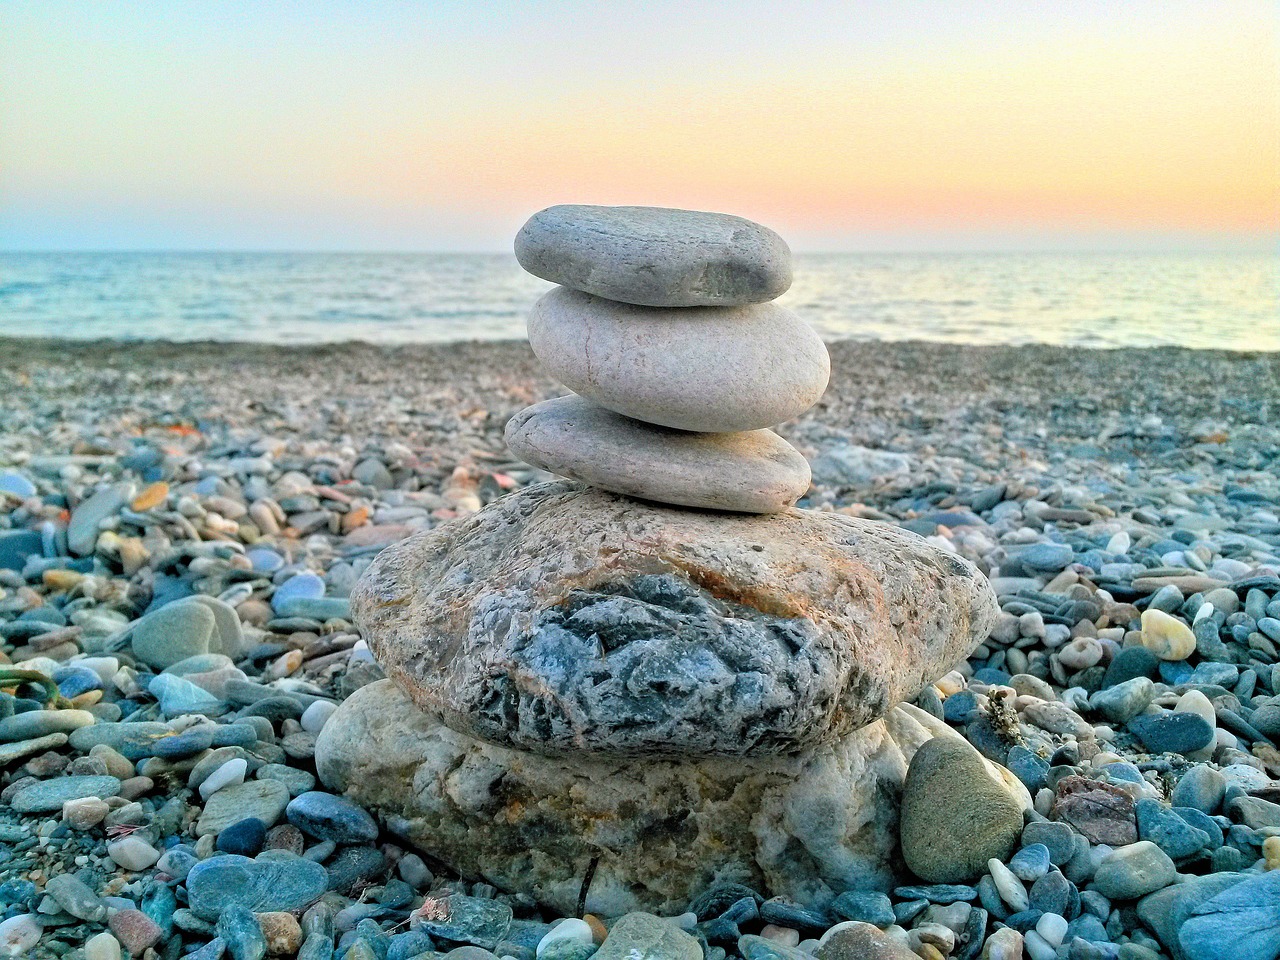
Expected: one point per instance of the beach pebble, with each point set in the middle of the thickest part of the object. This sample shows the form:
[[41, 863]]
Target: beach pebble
[[263, 799], [571, 930], [132, 853], [84, 813], [723, 369], [1134, 871], [102, 946], [954, 816], [753, 472], [134, 930], [18, 934], [655, 256], [283, 882], [1172, 732], [228, 774], [329, 817], [317, 715], [1167, 636], [48, 795]]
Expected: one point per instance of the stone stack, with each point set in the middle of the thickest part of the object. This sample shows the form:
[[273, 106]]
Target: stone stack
[[665, 329], [596, 688]]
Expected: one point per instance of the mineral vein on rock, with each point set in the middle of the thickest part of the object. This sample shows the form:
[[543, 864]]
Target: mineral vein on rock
[[566, 619]]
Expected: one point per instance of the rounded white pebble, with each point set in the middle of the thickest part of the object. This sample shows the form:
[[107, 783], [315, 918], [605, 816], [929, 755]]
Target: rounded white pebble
[[133, 853], [1053, 928], [1010, 887], [102, 947], [1037, 948], [19, 934], [1119, 543], [317, 715], [228, 775], [571, 930]]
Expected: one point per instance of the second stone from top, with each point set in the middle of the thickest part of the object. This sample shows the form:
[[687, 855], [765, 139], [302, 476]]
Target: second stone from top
[[713, 369]]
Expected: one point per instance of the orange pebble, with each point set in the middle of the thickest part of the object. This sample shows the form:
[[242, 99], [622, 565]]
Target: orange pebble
[[151, 497], [598, 931]]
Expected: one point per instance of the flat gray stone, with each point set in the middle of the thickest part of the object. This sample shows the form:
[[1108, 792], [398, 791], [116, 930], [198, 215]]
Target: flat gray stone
[[752, 472], [656, 256], [264, 799], [82, 529], [563, 619], [51, 794], [715, 369]]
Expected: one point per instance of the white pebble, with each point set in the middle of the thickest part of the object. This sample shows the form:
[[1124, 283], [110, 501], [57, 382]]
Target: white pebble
[[1193, 701], [1037, 948], [1004, 944], [228, 775], [1011, 889], [1081, 653], [19, 934], [571, 930], [1119, 543], [1053, 928], [133, 853], [317, 715], [102, 947]]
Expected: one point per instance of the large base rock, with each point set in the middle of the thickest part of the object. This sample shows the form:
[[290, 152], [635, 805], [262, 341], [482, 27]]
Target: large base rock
[[662, 830], [566, 620]]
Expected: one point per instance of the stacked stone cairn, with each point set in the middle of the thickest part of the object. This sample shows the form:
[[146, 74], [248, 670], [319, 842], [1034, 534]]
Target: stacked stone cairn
[[658, 676], [665, 329]]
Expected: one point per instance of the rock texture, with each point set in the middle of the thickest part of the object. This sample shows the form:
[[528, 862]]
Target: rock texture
[[805, 827], [955, 818], [564, 619], [717, 369], [656, 256], [752, 472]]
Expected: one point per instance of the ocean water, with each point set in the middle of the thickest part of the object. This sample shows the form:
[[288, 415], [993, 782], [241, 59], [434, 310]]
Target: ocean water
[[1229, 301]]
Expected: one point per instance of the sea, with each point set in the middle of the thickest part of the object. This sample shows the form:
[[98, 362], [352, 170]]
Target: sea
[[1202, 301]]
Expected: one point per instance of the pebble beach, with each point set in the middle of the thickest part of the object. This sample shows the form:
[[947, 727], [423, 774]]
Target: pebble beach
[[181, 527]]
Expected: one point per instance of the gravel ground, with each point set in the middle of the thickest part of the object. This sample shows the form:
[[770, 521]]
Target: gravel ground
[[1125, 504]]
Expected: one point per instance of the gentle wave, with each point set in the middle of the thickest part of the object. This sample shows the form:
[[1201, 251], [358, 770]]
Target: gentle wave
[[1201, 301]]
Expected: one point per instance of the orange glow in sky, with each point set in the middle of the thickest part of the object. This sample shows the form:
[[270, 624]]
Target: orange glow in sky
[[442, 126]]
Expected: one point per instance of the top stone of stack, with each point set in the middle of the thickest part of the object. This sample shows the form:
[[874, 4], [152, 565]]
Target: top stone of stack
[[656, 256]]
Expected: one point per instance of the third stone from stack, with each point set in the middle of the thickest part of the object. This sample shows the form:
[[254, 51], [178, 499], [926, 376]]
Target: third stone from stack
[[754, 471]]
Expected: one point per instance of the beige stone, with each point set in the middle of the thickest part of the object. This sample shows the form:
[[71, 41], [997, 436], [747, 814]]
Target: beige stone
[[751, 472], [713, 369], [663, 830]]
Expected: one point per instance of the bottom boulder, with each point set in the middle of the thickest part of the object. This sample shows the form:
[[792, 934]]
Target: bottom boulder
[[658, 830]]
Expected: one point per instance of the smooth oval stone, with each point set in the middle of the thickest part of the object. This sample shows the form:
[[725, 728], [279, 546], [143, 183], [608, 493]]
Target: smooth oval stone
[[329, 817], [270, 883], [714, 369], [565, 619], [656, 256], [955, 815], [752, 472], [263, 799], [53, 793]]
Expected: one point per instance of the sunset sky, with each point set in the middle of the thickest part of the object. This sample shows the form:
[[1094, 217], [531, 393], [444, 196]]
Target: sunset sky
[[901, 124]]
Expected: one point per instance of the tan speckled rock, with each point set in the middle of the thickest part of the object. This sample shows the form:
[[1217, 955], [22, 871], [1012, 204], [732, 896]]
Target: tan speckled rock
[[663, 830], [563, 619], [751, 472], [712, 369]]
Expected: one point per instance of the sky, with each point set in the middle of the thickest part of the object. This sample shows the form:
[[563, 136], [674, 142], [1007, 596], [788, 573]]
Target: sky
[[439, 125]]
